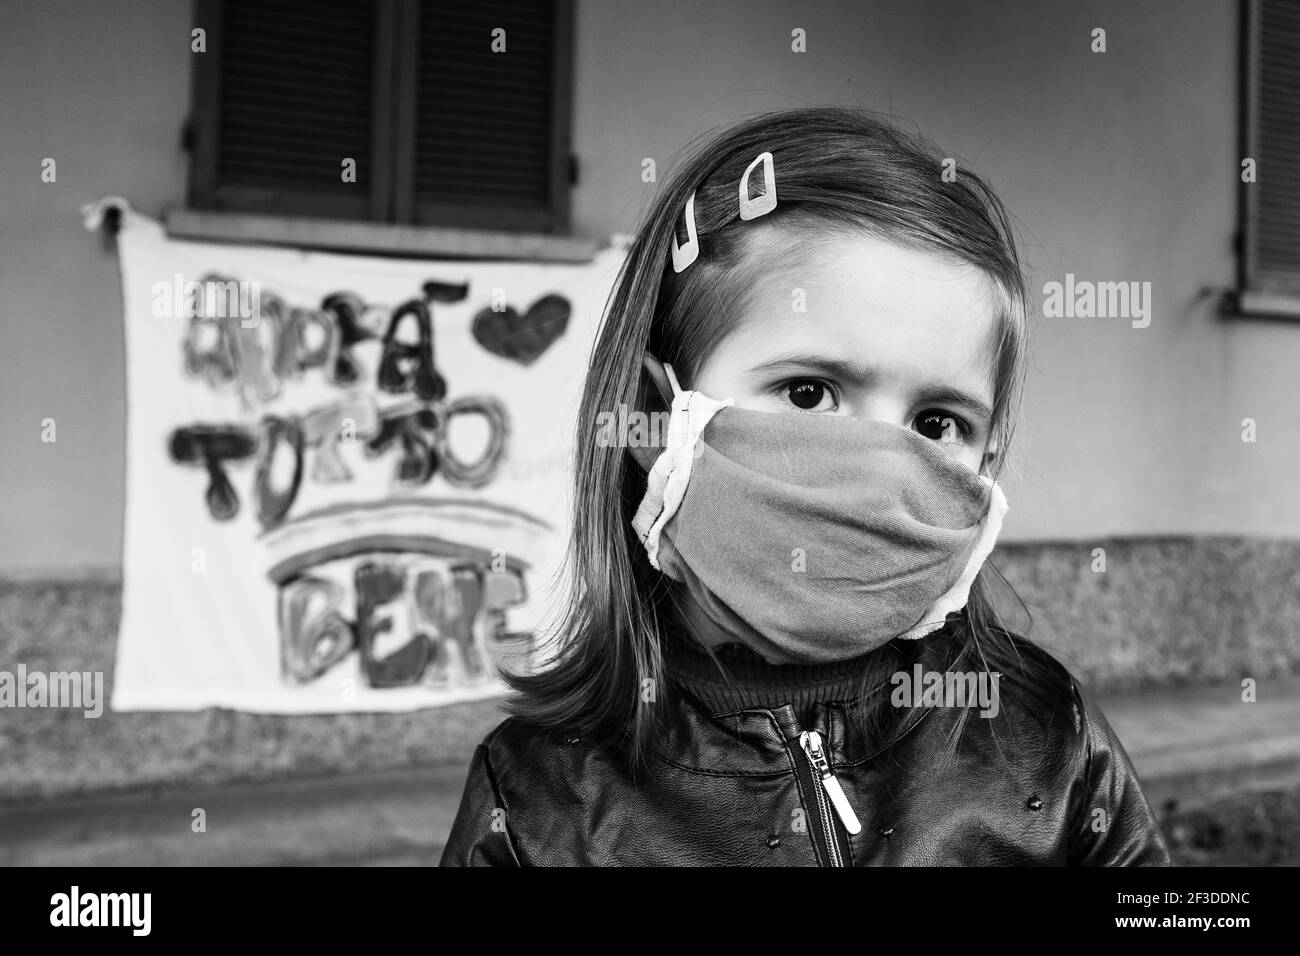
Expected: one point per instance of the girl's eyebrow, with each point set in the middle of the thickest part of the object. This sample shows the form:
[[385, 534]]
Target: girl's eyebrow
[[860, 375], [955, 396]]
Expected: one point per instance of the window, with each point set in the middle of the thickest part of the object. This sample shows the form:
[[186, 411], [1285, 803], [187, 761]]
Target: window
[[443, 130], [1269, 280]]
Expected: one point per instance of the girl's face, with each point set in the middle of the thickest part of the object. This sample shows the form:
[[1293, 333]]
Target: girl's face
[[889, 333]]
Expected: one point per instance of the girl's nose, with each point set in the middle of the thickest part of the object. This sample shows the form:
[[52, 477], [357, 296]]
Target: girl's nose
[[881, 408]]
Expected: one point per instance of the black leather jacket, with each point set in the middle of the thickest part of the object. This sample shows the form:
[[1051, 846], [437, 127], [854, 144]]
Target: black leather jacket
[[741, 786]]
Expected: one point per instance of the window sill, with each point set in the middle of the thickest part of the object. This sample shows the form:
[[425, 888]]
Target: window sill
[[374, 238], [1248, 304]]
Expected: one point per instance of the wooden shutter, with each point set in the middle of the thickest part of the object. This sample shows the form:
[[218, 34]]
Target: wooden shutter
[[285, 92], [1271, 130], [444, 131], [485, 135]]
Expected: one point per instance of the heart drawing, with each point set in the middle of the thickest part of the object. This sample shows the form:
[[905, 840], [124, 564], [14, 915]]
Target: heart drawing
[[523, 338]]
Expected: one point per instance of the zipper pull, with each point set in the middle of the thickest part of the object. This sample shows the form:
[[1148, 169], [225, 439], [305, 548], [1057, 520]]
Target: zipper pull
[[811, 741]]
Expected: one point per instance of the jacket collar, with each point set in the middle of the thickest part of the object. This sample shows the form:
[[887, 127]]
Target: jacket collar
[[763, 708], [742, 680]]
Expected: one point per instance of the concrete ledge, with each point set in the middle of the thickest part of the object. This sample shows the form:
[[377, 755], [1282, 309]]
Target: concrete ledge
[[1165, 611], [399, 817]]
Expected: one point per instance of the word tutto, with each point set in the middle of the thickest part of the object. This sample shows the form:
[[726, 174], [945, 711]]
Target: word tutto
[[102, 909], [1101, 300], [57, 689], [418, 432], [949, 689]]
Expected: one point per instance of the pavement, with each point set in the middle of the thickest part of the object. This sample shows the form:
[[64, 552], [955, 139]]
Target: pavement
[[391, 818], [1190, 746], [1194, 745]]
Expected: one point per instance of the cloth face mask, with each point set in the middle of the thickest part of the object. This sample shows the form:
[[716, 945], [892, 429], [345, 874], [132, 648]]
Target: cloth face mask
[[814, 538]]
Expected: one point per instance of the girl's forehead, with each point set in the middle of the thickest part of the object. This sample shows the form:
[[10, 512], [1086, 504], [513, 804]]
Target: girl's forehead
[[874, 303]]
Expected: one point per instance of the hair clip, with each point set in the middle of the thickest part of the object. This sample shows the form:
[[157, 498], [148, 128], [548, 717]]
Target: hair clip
[[765, 203], [687, 253], [750, 208]]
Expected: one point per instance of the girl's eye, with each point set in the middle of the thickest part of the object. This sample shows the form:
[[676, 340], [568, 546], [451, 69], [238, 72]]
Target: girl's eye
[[809, 396], [942, 427]]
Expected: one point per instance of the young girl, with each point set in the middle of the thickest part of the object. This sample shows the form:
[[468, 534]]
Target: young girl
[[781, 647]]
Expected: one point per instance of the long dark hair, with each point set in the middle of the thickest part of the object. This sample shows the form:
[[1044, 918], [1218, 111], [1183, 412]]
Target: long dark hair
[[839, 170]]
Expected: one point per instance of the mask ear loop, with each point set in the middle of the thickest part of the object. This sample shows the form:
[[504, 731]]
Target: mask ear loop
[[670, 473], [672, 379], [661, 374]]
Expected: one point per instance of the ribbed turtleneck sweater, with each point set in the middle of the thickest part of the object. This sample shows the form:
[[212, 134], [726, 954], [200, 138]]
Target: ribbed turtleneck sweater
[[753, 681]]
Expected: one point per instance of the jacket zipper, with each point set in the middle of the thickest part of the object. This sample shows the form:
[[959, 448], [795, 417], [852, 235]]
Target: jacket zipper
[[827, 800]]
